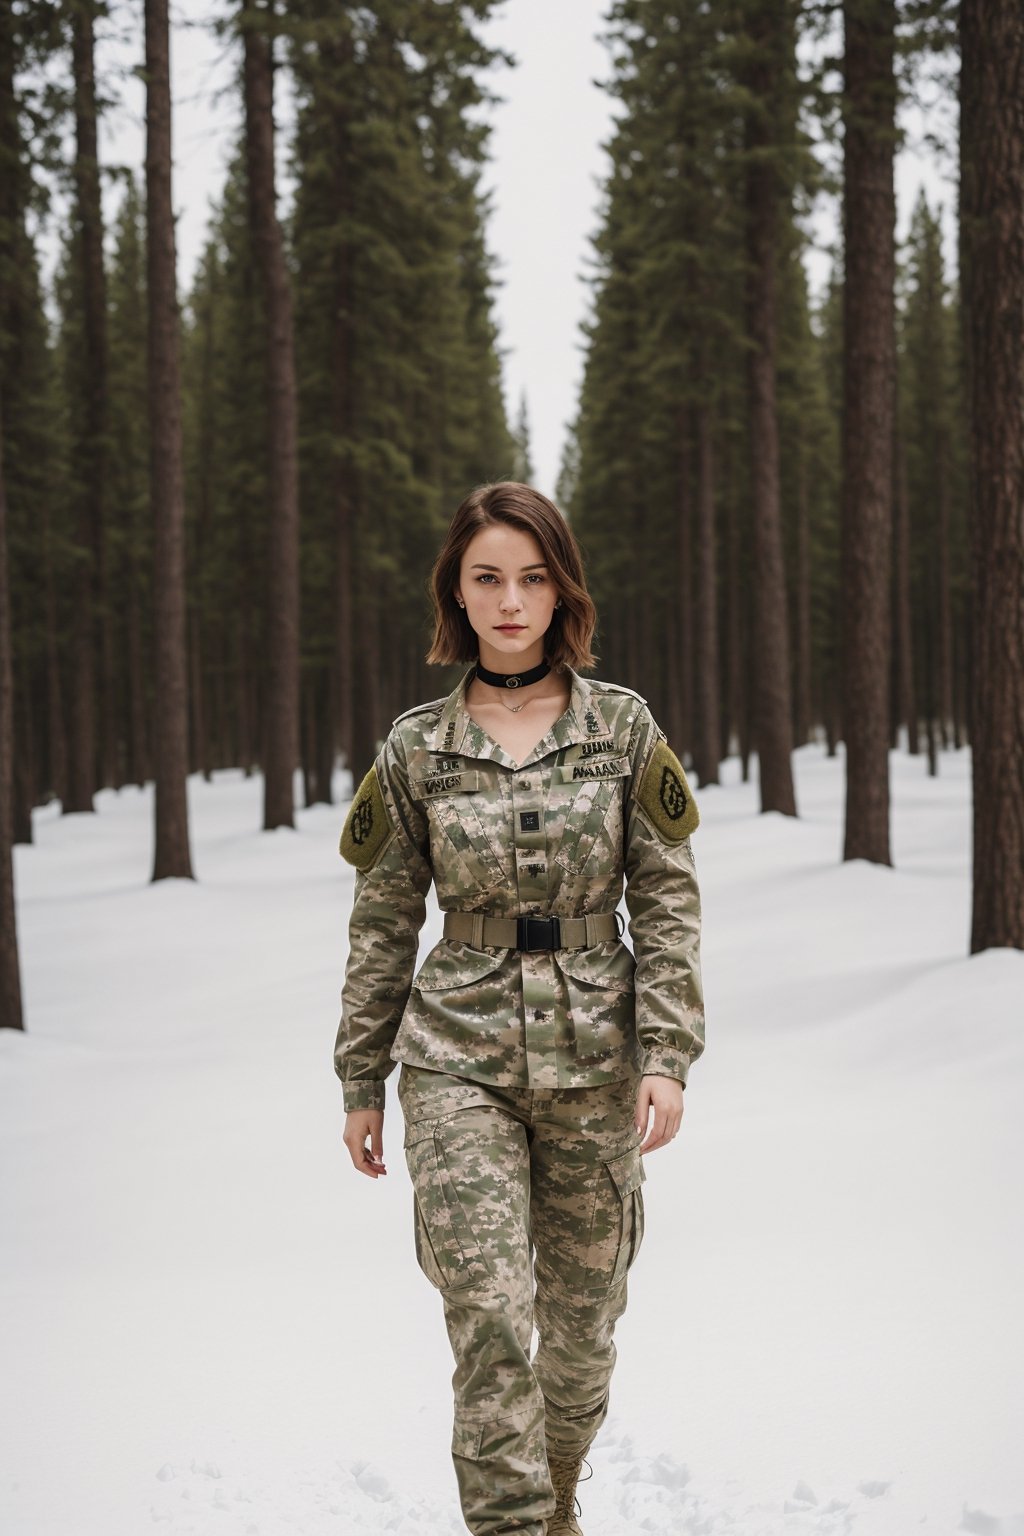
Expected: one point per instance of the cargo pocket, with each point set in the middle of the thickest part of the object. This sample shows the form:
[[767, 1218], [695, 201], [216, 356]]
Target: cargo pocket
[[426, 1258], [453, 964], [628, 1172], [618, 1222], [462, 993], [446, 1249], [486, 1439], [601, 998]]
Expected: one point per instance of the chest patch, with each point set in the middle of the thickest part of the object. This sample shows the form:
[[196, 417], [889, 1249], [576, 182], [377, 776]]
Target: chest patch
[[452, 783], [590, 768], [367, 827], [666, 797]]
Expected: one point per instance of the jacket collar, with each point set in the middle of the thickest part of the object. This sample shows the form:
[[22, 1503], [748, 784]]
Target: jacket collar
[[458, 733]]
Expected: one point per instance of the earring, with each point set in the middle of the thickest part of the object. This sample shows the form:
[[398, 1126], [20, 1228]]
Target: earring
[[460, 602]]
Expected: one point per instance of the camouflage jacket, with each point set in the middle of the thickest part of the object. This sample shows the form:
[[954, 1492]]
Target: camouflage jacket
[[600, 798]]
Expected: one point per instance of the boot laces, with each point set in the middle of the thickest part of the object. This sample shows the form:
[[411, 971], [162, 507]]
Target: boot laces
[[565, 1474]]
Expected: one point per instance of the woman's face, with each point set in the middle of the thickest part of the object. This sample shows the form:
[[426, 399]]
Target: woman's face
[[504, 581]]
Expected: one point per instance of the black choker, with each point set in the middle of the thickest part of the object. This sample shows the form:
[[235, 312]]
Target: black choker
[[512, 679]]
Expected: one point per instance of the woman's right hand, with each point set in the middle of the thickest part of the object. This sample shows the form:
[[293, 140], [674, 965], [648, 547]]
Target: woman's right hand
[[360, 1123]]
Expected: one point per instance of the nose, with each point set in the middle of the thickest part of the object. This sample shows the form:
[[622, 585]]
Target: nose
[[511, 602]]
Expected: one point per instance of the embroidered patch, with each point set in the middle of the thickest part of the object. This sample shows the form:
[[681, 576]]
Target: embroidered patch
[[450, 783], [665, 795], [594, 768], [366, 828]]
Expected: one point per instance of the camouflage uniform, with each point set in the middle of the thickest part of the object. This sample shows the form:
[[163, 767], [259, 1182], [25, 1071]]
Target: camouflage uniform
[[521, 1067]]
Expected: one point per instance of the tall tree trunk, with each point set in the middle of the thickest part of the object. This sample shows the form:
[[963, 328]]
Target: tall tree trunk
[[906, 698], [57, 752], [736, 670], [340, 53], [199, 740], [367, 669], [172, 857], [281, 698], [944, 608], [708, 732], [869, 371], [992, 264], [138, 757], [673, 659], [25, 772], [802, 701], [10, 974], [244, 648], [321, 696], [770, 651], [199, 628], [91, 598], [684, 546]]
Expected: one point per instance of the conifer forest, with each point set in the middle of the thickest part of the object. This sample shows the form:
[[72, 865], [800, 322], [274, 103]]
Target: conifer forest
[[802, 517]]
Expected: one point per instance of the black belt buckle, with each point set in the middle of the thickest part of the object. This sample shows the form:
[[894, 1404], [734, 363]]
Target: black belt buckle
[[535, 932]]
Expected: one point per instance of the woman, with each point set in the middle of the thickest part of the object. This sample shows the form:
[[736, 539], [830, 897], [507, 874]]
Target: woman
[[534, 1045]]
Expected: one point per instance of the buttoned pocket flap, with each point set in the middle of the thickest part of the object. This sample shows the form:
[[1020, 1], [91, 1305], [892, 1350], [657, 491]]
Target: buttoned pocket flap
[[628, 1171], [466, 1439], [454, 964], [610, 965]]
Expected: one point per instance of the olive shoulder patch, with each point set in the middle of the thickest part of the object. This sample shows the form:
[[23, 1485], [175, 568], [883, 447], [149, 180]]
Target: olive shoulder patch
[[367, 827], [666, 796]]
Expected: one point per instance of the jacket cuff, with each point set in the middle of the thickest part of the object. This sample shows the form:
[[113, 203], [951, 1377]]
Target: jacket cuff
[[366, 1094], [662, 1061]]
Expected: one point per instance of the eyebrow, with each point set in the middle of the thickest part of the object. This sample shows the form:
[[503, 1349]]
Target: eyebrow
[[479, 567]]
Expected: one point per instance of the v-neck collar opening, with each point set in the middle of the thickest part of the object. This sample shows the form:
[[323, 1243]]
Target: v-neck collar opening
[[581, 720]]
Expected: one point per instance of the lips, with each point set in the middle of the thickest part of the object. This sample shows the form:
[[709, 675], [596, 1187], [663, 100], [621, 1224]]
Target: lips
[[510, 629]]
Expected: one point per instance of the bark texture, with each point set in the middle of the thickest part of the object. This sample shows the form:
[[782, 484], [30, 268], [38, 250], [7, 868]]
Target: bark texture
[[869, 398], [992, 263]]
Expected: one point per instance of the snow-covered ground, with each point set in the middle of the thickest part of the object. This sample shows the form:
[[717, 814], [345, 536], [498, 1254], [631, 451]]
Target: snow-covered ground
[[209, 1322]]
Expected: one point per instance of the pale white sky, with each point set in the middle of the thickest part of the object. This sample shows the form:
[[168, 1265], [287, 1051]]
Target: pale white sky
[[547, 161]]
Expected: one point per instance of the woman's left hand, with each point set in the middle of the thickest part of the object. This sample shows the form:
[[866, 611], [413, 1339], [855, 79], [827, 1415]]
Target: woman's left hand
[[665, 1096]]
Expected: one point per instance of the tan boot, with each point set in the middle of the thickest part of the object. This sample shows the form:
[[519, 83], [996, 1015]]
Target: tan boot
[[565, 1472]]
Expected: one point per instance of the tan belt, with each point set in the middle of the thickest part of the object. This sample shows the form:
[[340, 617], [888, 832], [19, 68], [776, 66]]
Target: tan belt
[[531, 931]]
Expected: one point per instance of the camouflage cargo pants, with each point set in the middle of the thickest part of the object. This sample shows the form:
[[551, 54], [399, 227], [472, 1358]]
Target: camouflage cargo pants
[[503, 1179]]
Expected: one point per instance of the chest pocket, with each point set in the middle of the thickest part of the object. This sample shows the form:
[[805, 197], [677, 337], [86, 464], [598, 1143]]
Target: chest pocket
[[468, 813], [585, 805]]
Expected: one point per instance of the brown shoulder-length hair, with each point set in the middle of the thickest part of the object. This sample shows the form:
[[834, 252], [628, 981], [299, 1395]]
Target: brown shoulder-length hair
[[567, 639]]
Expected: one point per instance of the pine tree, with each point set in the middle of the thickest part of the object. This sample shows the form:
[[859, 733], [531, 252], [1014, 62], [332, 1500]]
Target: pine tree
[[926, 473], [91, 750], [869, 216], [992, 264], [767, 72], [280, 753], [522, 465], [10, 976], [130, 540], [172, 857]]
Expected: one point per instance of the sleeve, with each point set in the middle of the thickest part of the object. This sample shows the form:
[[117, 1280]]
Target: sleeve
[[386, 838], [663, 902]]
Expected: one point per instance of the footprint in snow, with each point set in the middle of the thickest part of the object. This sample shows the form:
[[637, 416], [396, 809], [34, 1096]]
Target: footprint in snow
[[980, 1523], [371, 1482]]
